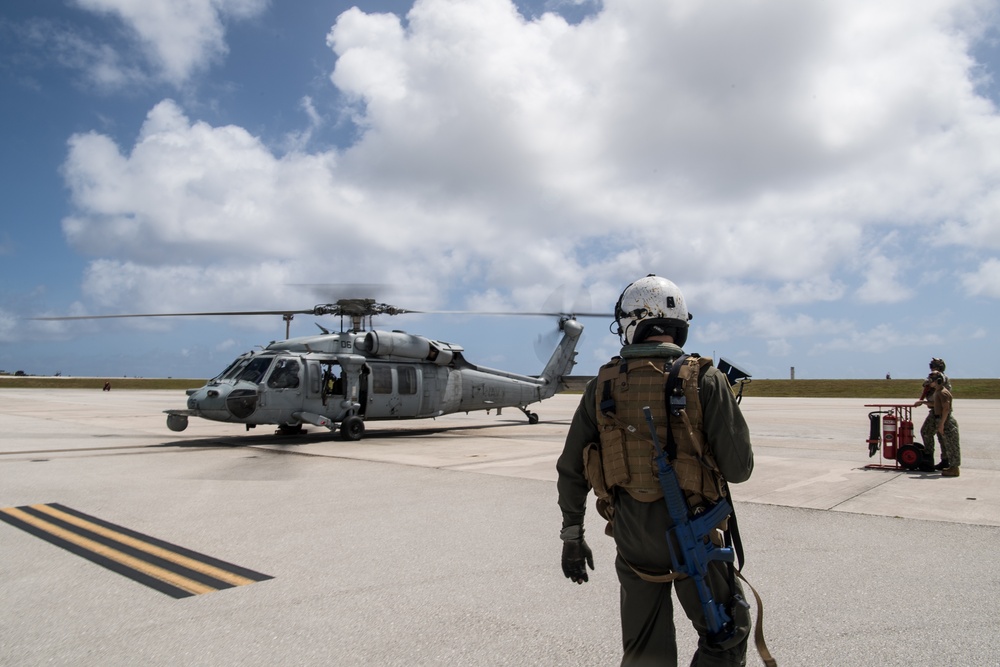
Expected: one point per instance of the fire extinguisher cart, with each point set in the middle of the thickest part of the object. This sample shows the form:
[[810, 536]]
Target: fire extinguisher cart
[[891, 436]]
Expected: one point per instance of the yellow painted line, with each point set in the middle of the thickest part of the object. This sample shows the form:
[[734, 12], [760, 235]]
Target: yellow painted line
[[166, 554], [177, 580]]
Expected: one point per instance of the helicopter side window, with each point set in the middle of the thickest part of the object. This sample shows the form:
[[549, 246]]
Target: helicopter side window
[[382, 379], [407, 380], [333, 384], [255, 370], [285, 374]]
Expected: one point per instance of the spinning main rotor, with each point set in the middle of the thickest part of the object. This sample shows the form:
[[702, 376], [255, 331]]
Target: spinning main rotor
[[357, 309]]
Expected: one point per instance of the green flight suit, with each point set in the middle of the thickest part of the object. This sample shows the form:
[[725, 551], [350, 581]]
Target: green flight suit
[[648, 634]]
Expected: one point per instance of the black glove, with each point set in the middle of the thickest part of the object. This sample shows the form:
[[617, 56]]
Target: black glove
[[576, 555]]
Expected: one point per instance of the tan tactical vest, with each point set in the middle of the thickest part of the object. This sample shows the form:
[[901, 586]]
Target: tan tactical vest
[[626, 453]]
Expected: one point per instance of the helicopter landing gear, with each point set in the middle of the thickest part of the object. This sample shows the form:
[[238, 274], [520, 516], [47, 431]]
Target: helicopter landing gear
[[289, 429], [352, 428], [532, 416]]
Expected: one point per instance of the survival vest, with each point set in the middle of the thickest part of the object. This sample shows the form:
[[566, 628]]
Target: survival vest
[[626, 454]]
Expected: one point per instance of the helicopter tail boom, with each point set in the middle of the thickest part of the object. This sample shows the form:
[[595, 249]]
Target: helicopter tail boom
[[563, 358]]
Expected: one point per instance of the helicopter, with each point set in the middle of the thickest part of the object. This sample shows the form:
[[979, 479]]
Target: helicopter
[[340, 380]]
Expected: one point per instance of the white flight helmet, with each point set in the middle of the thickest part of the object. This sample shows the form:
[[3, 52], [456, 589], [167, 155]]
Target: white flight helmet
[[651, 306]]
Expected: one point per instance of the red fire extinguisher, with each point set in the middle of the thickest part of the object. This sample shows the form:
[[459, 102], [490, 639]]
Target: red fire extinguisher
[[889, 426], [905, 432]]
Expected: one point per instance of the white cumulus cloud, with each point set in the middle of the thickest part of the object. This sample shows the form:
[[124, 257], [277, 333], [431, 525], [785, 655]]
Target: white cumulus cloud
[[179, 36], [985, 281], [752, 151]]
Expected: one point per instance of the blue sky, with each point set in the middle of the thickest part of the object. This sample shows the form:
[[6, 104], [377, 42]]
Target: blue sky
[[819, 178]]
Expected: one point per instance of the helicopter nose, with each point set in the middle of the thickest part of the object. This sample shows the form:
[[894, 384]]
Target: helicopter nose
[[207, 398], [224, 402]]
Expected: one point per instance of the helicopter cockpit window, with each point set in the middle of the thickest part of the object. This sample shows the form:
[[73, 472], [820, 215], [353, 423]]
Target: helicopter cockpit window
[[255, 370], [381, 379], [285, 374], [231, 369], [407, 380]]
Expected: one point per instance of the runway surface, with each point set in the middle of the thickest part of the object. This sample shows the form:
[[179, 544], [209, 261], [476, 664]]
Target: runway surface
[[435, 542]]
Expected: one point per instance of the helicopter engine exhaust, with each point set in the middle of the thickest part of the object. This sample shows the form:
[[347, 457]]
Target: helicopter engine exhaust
[[407, 346]]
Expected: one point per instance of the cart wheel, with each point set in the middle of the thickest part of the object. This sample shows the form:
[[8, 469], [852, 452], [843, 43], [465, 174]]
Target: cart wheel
[[909, 456]]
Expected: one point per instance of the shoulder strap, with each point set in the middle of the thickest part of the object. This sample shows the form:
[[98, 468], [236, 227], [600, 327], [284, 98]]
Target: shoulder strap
[[675, 400]]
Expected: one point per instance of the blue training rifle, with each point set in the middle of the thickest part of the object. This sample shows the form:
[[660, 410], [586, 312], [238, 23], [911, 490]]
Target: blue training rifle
[[694, 550]]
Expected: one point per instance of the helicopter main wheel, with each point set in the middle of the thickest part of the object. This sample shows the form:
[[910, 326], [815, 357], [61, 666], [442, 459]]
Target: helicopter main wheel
[[352, 428], [290, 429]]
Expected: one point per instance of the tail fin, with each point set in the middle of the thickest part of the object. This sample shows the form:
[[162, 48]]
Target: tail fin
[[563, 358]]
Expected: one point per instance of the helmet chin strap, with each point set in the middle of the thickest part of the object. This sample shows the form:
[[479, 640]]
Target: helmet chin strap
[[625, 337]]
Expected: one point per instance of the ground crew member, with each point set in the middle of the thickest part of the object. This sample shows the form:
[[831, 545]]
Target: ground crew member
[[944, 425], [613, 451], [929, 427]]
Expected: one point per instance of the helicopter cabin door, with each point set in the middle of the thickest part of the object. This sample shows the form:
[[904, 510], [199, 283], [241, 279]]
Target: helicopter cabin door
[[283, 391], [393, 391], [324, 388]]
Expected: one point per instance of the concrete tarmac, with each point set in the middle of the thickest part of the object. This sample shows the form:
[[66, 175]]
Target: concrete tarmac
[[435, 542]]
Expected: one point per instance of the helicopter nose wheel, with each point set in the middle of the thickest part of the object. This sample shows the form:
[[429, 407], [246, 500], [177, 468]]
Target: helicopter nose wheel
[[177, 422], [352, 428]]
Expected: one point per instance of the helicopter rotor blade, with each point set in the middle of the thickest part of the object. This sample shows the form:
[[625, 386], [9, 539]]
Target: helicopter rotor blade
[[206, 314], [329, 309], [515, 313]]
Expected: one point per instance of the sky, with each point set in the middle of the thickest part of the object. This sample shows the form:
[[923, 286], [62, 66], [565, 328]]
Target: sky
[[819, 178]]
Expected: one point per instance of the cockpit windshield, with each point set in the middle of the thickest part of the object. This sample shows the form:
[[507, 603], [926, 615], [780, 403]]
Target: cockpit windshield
[[239, 362], [255, 370], [249, 368]]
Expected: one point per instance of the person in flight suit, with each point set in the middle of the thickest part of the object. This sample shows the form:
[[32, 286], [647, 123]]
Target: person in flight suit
[[611, 451]]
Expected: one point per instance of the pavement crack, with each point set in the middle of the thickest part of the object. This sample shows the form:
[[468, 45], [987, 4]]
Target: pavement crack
[[863, 492]]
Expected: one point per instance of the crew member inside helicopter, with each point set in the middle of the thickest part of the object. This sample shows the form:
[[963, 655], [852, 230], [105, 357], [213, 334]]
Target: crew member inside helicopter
[[333, 384], [285, 374]]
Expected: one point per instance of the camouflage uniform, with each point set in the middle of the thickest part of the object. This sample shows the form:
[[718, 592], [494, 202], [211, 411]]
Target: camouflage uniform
[[941, 403], [929, 428]]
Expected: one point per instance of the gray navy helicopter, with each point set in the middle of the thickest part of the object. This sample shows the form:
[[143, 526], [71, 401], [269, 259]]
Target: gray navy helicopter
[[340, 380]]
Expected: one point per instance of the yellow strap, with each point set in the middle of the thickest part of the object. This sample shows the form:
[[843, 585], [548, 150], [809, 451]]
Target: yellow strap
[[758, 634]]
